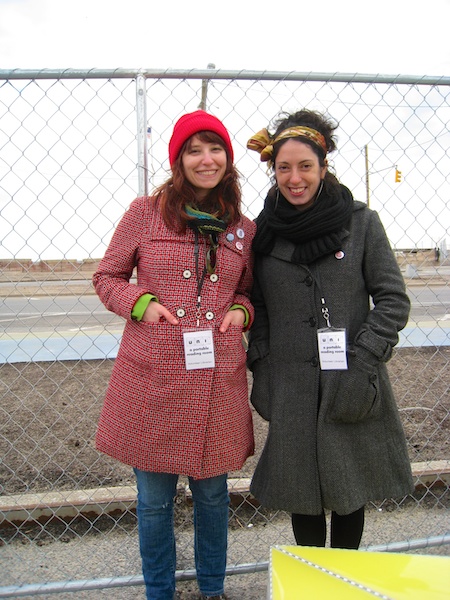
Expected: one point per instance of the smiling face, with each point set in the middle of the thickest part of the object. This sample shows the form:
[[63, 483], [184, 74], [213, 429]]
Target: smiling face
[[298, 173], [204, 165]]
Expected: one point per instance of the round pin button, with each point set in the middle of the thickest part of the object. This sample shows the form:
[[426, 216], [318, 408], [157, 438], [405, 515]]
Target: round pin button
[[239, 246], [180, 312], [339, 254], [230, 237], [209, 315], [187, 274], [213, 277], [240, 233]]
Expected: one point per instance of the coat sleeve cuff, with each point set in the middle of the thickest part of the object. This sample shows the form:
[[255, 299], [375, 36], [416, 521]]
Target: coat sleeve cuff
[[374, 344], [256, 351]]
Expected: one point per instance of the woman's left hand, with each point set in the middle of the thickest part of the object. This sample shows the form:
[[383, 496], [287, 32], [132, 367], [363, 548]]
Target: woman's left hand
[[233, 317]]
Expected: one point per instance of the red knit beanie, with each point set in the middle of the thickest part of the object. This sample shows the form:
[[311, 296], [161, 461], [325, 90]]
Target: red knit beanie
[[192, 123]]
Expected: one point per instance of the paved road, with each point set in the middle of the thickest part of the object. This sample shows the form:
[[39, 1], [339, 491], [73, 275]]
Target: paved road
[[70, 327]]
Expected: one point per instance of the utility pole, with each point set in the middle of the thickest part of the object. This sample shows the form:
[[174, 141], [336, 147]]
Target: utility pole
[[202, 104], [398, 174]]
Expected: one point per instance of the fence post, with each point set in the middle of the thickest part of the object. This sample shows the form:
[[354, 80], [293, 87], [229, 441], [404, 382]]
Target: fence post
[[141, 115]]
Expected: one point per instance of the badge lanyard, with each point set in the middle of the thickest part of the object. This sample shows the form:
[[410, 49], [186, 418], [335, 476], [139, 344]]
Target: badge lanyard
[[331, 341], [200, 279], [325, 311], [198, 344]]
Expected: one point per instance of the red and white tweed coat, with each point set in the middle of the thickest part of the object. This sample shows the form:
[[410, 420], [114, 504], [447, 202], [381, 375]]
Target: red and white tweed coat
[[158, 416]]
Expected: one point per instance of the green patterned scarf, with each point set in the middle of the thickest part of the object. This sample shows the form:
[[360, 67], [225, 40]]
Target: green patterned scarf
[[203, 222]]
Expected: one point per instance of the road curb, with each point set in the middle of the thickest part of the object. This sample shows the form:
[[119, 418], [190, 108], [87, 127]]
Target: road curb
[[18, 509], [66, 504]]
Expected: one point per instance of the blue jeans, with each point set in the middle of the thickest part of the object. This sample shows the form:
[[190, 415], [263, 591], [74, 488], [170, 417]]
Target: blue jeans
[[156, 492]]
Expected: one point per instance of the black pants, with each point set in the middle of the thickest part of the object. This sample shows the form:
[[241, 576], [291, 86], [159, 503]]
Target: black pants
[[346, 530]]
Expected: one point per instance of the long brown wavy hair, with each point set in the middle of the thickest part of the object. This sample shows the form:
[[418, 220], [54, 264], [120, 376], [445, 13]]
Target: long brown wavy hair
[[224, 201]]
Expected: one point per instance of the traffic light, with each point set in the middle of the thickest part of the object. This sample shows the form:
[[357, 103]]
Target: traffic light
[[398, 176]]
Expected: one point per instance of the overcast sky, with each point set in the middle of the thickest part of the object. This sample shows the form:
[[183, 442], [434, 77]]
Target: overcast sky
[[389, 37], [408, 37]]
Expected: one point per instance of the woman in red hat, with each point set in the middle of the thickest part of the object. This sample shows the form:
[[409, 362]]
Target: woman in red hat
[[177, 402]]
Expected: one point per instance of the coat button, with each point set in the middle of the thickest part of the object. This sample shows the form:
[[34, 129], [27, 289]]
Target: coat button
[[209, 315], [187, 274], [308, 280], [180, 312], [312, 321], [314, 362], [373, 378], [213, 277]]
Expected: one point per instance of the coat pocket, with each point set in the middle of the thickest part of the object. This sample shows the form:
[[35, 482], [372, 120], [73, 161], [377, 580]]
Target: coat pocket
[[358, 394], [260, 395]]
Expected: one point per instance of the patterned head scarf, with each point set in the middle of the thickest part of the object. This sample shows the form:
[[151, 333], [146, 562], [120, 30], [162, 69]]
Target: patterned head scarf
[[263, 143]]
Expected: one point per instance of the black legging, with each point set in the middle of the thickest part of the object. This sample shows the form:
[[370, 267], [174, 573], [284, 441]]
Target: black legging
[[346, 530]]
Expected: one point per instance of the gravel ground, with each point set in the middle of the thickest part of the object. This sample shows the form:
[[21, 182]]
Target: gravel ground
[[67, 560]]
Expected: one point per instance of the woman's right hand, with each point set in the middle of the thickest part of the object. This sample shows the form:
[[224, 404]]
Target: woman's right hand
[[155, 311]]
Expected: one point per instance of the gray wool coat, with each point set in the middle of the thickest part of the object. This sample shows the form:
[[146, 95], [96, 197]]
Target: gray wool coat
[[335, 440]]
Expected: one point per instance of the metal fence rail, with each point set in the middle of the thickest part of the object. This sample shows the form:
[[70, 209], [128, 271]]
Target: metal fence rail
[[75, 148]]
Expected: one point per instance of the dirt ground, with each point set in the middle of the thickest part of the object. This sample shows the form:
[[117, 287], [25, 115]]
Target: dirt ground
[[49, 411]]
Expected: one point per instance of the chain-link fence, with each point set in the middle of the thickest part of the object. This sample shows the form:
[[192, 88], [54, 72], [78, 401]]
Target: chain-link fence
[[75, 148]]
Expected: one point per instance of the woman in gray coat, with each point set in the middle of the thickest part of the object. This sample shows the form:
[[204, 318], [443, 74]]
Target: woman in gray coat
[[329, 302]]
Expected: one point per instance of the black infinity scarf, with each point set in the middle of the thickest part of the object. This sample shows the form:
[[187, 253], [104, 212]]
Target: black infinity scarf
[[316, 231]]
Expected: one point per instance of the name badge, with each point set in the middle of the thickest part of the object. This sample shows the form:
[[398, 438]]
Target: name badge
[[199, 349], [332, 349]]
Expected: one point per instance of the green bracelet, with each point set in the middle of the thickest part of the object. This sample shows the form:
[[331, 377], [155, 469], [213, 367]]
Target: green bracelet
[[141, 306]]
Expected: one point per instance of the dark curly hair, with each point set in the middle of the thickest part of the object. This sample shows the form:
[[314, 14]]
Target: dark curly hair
[[314, 120]]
